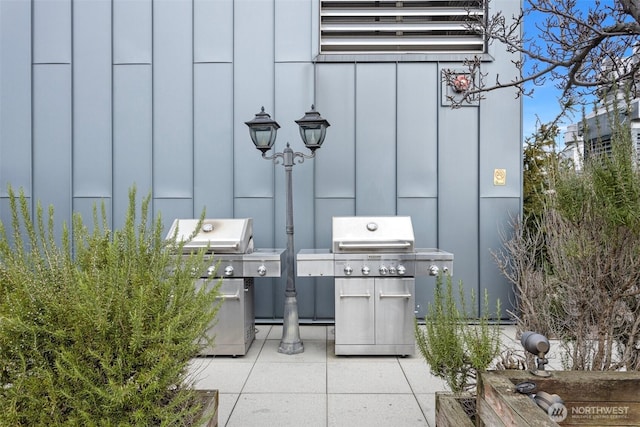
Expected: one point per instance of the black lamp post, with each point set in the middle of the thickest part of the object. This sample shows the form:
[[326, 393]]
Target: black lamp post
[[263, 134]]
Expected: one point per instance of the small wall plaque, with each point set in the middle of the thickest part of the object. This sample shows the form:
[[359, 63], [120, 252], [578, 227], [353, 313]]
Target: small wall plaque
[[499, 177]]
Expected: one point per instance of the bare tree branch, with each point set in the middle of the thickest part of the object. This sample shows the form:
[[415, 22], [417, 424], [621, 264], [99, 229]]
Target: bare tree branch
[[582, 50]]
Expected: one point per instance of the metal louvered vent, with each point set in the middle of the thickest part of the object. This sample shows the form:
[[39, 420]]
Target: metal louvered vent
[[598, 146], [409, 26]]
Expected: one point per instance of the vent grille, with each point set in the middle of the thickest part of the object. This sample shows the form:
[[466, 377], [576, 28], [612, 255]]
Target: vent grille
[[410, 26], [603, 145], [598, 146]]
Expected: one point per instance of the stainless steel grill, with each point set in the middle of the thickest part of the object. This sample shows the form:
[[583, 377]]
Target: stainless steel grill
[[231, 257], [374, 262]]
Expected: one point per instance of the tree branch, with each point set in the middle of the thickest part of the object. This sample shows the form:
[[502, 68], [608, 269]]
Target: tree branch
[[581, 50]]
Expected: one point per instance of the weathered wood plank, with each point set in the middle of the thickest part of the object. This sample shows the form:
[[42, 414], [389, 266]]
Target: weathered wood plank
[[210, 400], [449, 412], [487, 415], [590, 398], [592, 386], [511, 407]]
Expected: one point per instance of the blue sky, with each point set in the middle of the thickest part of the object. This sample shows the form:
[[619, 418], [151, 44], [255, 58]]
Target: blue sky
[[542, 107]]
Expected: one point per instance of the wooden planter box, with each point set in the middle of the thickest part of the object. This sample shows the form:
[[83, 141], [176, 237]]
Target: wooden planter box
[[590, 398], [450, 411], [210, 400]]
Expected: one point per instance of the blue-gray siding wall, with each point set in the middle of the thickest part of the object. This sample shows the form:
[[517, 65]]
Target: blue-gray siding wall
[[98, 95]]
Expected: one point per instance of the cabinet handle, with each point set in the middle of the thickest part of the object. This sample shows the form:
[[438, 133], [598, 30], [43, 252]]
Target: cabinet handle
[[394, 295], [367, 295], [229, 296]]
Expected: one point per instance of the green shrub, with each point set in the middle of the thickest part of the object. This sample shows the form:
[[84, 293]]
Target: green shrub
[[98, 329], [455, 349], [585, 294]]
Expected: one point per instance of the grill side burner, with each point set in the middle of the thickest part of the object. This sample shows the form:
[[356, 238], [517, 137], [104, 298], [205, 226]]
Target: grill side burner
[[374, 262], [231, 258]]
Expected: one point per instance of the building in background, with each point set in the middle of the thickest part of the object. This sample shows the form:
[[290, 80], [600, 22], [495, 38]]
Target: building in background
[[592, 135], [99, 95]]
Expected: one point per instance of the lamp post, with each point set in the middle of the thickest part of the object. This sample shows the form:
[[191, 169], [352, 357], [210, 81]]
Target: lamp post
[[262, 130]]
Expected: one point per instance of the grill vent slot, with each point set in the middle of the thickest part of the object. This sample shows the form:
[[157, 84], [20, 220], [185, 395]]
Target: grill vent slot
[[410, 26]]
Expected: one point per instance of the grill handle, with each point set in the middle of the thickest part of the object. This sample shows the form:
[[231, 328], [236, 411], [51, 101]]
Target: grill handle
[[223, 246], [394, 295], [377, 245], [229, 296], [367, 295]]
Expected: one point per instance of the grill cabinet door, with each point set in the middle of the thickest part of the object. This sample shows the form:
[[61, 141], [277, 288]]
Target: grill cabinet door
[[395, 303], [354, 311], [228, 327]]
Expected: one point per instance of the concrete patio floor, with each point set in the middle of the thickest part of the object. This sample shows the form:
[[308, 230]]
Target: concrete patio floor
[[318, 388]]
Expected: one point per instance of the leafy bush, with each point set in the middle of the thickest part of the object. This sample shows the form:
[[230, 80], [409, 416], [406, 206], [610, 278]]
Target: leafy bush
[[455, 349], [586, 293], [593, 243], [98, 329], [540, 162]]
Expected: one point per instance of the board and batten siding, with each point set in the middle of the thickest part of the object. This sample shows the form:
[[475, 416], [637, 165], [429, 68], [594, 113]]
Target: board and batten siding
[[100, 95]]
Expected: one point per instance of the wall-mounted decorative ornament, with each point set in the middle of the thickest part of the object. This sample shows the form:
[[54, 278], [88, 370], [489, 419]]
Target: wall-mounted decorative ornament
[[461, 82], [458, 87]]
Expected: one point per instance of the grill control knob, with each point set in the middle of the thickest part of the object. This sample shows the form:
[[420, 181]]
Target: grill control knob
[[433, 270], [365, 270], [262, 270], [228, 270], [383, 270], [401, 270], [348, 270], [211, 270], [392, 270]]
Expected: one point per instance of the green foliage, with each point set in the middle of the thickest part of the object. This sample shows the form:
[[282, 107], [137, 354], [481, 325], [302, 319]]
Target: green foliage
[[102, 337], [454, 349], [609, 186], [540, 162], [594, 245], [585, 292]]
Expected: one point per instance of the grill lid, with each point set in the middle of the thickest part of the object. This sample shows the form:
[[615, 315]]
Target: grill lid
[[373, 234], [229, 236]]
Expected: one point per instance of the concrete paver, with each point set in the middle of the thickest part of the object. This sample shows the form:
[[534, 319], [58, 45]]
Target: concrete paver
[[317, 388]]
